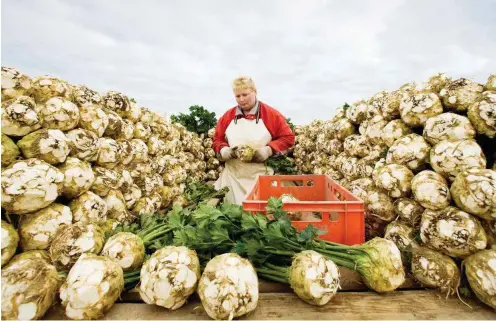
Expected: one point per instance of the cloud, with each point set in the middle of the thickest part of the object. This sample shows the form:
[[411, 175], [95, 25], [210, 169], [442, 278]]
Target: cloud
[[307, 57]]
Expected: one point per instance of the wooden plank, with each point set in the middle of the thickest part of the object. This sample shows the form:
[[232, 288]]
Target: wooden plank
[[349, 281], [415, 304]]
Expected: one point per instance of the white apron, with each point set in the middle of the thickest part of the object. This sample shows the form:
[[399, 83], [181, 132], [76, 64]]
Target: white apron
[[239, 176]]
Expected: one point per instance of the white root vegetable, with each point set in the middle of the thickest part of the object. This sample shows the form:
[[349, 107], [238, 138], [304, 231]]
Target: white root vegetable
[[482, 114], [394, 130], [382, 267], [355, 145], [155, 145], [88, 207], [127, 180], [314, 278], [115, 124], [169, 277], [58, 113], [211, 133], [78, 175], [342, 128], [30, 185], [244, 153], [458, 95], [448, 127], [350, 169], [149, 183], [29, 288], [116, 102], [105, 181], [91, 288], [142, 130], [411, 150], [361, 187], [490, 229], [10, 240], [480, 269], [84, 96], [45, 87], [437, 82], [37, 230], [72, 241], [110, 153], [474, 191], [450, 158], [127, 248], [394, 179], [167, 196], [126, 153], [94, 119], [49, 145], [84, 144], [134, 113], [126, 131], [431, 190], [19, 116], [147, 204], [117, 207], [416, 108], [158, 164], [358, 112], [408, 211], [137, 169], [390, 108], [132, 195], [14, 83], [140, 150], [435, 270], [401, 234], [374, 129], [491, 82], [452, 232], [10, 151], [228, 287]]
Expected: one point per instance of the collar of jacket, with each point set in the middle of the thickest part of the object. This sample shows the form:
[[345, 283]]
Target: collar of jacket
[[240, 113]]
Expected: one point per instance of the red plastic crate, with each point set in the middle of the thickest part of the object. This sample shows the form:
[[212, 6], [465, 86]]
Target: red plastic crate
[[343, 214]]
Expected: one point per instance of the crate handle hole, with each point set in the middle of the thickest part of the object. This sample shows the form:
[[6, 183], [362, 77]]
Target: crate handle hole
[[273, 183], [286, 183], [310, 182], [334, 216]]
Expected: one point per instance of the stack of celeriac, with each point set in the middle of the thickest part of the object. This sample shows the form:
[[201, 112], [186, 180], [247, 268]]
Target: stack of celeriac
[[420, 158], [77, 163]]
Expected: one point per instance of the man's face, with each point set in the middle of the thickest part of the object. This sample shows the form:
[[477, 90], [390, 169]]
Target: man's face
[[245, 98]]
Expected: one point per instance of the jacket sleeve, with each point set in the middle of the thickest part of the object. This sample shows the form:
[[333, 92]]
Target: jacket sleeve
[[282, 136], [220, 133]]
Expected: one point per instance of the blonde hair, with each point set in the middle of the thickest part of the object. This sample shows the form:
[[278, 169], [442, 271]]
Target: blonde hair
[[243, 82]]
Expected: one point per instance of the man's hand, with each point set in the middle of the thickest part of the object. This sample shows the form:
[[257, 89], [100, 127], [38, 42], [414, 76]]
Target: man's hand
[[226, 154], [262, 154]]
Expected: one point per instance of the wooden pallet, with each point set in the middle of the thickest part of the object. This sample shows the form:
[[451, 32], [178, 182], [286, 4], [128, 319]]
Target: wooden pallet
[[416, 304], [278, 302]]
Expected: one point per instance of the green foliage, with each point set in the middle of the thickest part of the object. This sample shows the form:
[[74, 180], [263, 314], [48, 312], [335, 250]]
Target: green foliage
[[199, 120], [200, 192], [291, 125], [282, 165]]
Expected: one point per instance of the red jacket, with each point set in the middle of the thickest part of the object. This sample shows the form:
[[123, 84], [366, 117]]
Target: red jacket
[[282, 136]]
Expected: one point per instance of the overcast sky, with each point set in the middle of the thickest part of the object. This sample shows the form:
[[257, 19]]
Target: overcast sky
[[307, 57]]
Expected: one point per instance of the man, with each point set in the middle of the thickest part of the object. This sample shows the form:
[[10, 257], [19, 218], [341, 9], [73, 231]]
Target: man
[[255, 124]]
